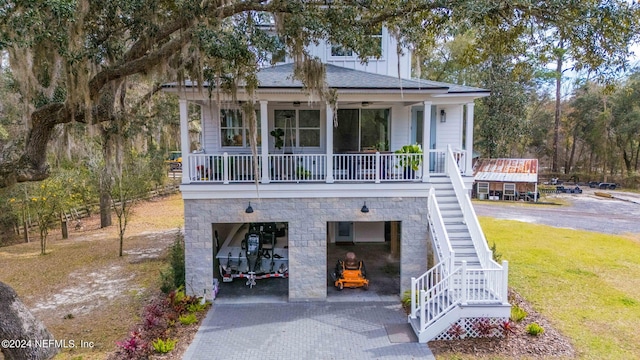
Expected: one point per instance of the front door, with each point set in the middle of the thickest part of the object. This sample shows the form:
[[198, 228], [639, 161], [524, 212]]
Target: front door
[[417, 123]]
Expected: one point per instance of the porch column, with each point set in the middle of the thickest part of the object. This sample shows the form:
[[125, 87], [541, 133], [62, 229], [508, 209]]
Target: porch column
[[184, 139], [264, 146], [329, 144], [469, 140], [426, 140]]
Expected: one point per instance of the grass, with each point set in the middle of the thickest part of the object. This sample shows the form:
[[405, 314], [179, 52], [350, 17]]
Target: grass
[[587, 284], [104, 293]]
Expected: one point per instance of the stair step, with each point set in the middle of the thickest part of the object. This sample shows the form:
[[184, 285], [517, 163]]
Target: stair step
[[448, 213], [453, 220], [459, 236]]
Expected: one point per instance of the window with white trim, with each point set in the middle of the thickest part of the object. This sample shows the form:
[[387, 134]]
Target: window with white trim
[[234, 130], [483, 188], [301, 128]]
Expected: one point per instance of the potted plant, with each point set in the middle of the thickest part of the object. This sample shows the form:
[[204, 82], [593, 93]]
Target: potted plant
[[411, 160], [278, 133]]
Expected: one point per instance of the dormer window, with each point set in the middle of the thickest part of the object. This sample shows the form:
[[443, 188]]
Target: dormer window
[[376, 34], [339, 51]]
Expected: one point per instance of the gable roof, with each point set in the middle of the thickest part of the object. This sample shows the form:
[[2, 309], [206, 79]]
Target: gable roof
[[281, 77], [506, 170]]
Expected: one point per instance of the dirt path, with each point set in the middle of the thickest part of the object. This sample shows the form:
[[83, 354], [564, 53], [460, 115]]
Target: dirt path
[[82, 290]]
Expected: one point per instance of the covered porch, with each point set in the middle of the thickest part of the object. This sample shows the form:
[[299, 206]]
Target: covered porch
[[300, 138]]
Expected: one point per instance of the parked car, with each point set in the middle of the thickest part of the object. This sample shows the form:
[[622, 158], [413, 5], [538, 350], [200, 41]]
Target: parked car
[[610, 186], [568, 190]]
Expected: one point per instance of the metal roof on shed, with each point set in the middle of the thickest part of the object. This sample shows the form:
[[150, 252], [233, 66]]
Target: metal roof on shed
[[506, 170]]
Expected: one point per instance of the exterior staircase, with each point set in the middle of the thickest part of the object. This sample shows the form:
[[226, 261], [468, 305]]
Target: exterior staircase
[[453, 219], [465, 283]]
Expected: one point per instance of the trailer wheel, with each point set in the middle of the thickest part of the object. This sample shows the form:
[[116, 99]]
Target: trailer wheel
[[340, 286], [366, 286]]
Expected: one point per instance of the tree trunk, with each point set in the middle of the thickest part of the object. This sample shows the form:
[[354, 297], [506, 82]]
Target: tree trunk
[[556, 127], [105, 179], [17, 323], [105, 209]]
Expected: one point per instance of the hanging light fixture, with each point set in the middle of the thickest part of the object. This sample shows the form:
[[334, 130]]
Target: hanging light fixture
[[364, 209], [249, 209]]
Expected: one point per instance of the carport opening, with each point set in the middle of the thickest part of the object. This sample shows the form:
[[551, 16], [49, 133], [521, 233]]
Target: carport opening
[[377, 245], [251, 259]]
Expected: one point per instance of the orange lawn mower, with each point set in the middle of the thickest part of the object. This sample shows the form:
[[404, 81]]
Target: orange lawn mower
[[350, 273]]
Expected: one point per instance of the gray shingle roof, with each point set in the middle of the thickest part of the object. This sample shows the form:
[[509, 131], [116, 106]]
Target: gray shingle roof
[[281, 76]]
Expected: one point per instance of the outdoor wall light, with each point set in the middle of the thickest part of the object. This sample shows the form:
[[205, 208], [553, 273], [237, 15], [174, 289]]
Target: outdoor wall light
[[249, 209], [364, 209], [365, 103], [443, 116], [296, 104]]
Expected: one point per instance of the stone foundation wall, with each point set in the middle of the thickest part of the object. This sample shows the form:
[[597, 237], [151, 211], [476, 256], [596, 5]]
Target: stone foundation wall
[[307, 219]]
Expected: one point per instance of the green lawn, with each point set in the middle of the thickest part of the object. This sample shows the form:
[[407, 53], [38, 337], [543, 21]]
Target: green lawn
[[587, 284]]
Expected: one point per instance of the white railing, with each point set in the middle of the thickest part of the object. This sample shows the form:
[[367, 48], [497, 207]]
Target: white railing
[[469, 215], [485, 286], [439, 236], [498, 284], [223, 168], [361, 167], [443, 287], [438, 299], [298, 168], [426, 283]]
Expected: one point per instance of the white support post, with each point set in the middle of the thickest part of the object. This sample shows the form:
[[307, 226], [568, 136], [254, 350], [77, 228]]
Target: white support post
[[423, 310], [264, 146], [225, 168], [377, 168], [184, 139], [505, 282], [426, 140], [329, 145], [413, 298], [469, 141], [463, 283]]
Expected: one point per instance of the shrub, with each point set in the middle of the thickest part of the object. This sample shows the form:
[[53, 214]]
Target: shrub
[[176, 259], [188, 319], [497, 257], [483, 326], [518, 313], [133, 347], [534, 329], [456, 331], [197, 307], [507, 328], [164, 346], [406, 298], [173, 277]]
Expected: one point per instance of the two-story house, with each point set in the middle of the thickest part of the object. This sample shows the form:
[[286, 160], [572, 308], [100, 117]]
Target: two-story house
[[330, 174]]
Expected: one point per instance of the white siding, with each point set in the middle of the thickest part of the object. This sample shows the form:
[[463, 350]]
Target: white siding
[[386, 65], [210, 124], [449, 132], [400, 127]]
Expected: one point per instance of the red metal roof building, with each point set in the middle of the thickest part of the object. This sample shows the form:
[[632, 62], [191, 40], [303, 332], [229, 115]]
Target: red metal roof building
[[505, 178]]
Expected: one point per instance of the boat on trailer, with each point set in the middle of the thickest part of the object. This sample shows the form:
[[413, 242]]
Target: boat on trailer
[[255, 251]]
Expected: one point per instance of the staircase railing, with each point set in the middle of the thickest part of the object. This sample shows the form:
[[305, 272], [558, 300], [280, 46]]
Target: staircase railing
[[497, 283], [439, 236], [429, 283]]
